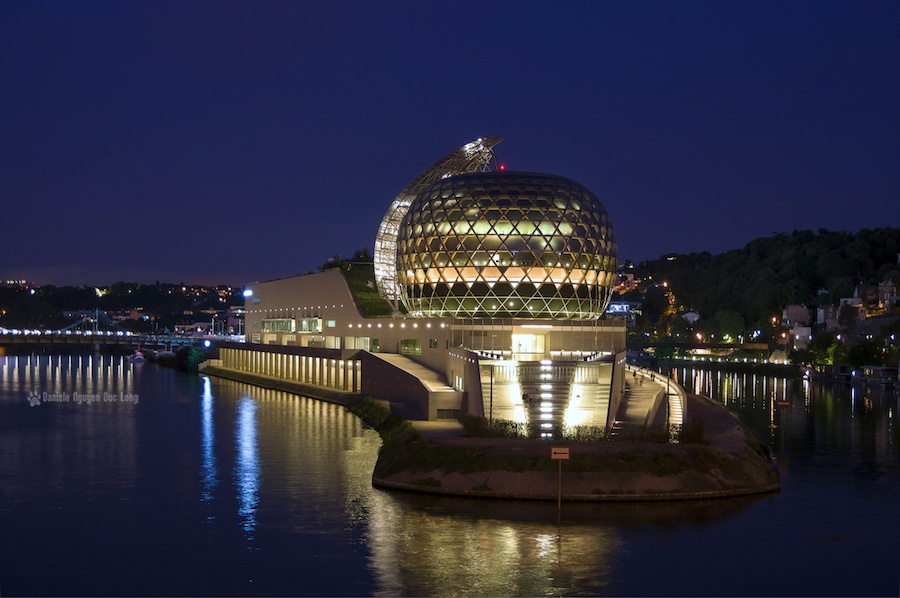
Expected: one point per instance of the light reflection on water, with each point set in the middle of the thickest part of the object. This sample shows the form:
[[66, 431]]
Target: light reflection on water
[[433, 546], [246, 471], [298, 515], [210, 472]]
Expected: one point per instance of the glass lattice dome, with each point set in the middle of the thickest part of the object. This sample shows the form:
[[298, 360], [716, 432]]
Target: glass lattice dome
[[506, 244]]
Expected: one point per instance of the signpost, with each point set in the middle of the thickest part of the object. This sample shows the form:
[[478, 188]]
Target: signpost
[[559, 454]]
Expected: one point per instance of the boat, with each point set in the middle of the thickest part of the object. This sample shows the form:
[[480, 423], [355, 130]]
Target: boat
[[137, 356], [875, 375]]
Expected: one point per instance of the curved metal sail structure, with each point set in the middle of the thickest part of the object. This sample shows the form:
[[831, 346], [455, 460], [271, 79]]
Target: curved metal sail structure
[[475, 156]]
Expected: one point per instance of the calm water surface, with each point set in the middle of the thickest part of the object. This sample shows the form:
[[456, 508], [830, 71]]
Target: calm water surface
[[121, 479]]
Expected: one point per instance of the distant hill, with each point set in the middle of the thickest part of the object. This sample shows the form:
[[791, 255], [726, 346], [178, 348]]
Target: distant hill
[[769, 273]]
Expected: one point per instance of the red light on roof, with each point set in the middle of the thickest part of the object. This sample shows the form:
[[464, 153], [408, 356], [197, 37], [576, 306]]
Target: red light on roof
[[503, 167]]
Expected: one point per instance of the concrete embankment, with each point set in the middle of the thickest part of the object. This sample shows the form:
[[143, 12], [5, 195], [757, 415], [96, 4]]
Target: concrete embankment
[[729, 463], [440, 460]]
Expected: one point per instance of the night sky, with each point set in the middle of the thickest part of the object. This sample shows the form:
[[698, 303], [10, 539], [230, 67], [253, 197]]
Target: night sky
[[230, 142]]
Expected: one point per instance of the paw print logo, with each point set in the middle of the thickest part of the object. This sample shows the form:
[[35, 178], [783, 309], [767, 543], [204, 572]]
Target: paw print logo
[[34, 398]]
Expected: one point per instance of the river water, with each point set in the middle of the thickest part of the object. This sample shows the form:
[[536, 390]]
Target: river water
[[130, 479]]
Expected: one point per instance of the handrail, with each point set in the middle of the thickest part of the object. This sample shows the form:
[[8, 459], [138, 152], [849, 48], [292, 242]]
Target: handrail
[[675, 394]]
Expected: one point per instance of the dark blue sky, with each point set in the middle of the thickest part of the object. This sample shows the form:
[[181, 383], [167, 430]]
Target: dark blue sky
[[228, 142]]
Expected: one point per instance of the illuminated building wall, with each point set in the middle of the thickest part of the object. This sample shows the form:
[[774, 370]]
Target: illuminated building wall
[[502, 274], [506, 244]]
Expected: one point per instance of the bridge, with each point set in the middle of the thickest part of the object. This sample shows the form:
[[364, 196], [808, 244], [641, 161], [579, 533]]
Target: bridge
[[93, 330], [57, 337], [692, 345]]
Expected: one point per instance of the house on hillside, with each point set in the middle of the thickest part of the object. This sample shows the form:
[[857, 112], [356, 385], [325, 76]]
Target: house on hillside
[[867, 294], [827, 316], [793, 315], [887, 294]]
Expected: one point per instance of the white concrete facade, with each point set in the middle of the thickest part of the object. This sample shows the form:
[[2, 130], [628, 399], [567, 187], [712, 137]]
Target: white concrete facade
[[319, 311]]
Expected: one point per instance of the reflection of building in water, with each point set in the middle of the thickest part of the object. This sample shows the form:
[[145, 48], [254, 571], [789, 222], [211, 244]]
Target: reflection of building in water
[[420, 553], [210, 472], [84, 392], [247, 470], [856, 417], [298, 439]]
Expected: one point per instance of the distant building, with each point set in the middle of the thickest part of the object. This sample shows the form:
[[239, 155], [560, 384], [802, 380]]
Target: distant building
[[793, 315], [827, 316], [887, 294], [625, 281], [627, 310], [801, 336], [691, 317], [867, 294]]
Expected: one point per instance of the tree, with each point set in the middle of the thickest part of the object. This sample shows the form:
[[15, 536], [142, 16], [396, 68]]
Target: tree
[[727, 322]]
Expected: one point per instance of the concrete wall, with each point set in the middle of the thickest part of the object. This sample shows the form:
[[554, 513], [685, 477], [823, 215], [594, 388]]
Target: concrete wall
[[319, 367], [383, 381], [617, 388]]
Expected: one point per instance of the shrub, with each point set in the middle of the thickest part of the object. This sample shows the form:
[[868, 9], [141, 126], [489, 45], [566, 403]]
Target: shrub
[[188, 359]]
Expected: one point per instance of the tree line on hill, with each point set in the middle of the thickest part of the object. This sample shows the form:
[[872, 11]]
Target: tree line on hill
[[745, 290]]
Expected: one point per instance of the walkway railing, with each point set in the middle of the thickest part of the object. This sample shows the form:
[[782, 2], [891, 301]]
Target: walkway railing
[[675, 394]]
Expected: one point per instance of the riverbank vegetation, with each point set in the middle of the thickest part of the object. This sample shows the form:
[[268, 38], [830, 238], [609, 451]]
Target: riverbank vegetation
[[482, 427], [406, 450]]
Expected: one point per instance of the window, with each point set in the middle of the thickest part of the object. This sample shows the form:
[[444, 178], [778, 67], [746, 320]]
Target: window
[[410, 346], [310, 325], [432, 343], [280, 325], [330, 323]]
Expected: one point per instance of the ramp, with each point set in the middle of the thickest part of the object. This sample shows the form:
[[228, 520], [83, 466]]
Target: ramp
[[415, 391]]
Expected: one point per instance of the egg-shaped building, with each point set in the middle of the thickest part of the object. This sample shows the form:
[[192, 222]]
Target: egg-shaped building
[[506, 244]]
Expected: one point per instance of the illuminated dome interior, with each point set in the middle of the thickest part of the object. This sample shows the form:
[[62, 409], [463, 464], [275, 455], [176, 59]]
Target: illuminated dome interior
[[506, 244]]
